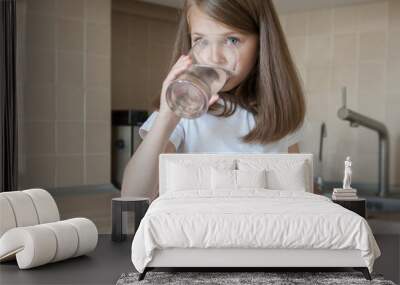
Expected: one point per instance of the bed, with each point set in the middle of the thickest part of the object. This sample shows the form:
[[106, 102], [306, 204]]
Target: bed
[[247, 211]]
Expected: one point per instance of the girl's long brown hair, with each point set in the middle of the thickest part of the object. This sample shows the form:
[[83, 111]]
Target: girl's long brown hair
[[272, 91]]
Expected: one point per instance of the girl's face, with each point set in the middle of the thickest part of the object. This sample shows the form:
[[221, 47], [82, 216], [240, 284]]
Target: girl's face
[[247, 44]]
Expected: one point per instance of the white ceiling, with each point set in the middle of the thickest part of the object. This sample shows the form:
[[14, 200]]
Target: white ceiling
[[283, 6]]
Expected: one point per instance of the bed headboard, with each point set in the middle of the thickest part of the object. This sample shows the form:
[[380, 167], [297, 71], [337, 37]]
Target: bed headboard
[[164, 158]]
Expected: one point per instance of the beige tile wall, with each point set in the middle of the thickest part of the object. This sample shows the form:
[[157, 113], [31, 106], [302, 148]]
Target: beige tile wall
[[357, 46], [66, 96], [142, 40]]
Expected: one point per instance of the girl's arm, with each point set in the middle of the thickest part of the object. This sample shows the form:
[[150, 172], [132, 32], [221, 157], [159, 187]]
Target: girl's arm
[[140, 177], [294, 148], [141, 173]]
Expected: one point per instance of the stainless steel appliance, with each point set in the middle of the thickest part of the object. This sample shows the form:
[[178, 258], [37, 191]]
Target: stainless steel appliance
[[125, 140]]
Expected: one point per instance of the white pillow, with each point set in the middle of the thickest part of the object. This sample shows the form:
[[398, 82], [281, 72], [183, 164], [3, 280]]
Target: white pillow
[[282, 174], [187, 177], [293, 179], [223, 179], [251, 178], [237, 179], [193, 174]]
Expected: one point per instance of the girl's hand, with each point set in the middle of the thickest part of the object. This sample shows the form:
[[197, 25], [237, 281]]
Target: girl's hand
[[179, 67]]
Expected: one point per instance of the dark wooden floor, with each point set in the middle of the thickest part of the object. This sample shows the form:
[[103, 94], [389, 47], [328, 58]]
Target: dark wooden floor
[[102, 266]]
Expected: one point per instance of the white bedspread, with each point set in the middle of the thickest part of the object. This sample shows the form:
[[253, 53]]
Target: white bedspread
[[251, 218]]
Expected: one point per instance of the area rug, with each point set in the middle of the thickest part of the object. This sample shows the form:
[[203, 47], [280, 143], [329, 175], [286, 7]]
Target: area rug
[[243, 278]]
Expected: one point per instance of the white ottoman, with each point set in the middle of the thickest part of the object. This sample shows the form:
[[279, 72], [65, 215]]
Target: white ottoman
[[31, 231]]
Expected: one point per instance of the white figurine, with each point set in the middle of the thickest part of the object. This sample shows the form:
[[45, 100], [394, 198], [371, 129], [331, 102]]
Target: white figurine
[[347, 174]]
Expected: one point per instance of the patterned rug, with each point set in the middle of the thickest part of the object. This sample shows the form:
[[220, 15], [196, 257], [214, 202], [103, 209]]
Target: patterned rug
[[243, 278]]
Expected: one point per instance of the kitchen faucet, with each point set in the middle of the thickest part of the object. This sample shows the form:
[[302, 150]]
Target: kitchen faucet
[[357, 119]]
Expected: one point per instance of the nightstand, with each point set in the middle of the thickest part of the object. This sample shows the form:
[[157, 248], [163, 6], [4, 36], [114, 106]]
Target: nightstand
[[358, 206], [119, 205]]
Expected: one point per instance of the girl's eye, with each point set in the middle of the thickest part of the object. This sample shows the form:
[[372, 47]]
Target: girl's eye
[[229, 40], [233, 40]]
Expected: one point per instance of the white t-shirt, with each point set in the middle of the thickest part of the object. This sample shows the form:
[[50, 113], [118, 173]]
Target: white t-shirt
[[211, 134]]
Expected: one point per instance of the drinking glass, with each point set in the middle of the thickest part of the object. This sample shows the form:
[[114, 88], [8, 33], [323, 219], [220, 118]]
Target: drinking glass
[[214, 61]]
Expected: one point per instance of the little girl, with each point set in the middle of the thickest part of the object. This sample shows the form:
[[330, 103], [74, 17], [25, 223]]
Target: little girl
[[261, 108]]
